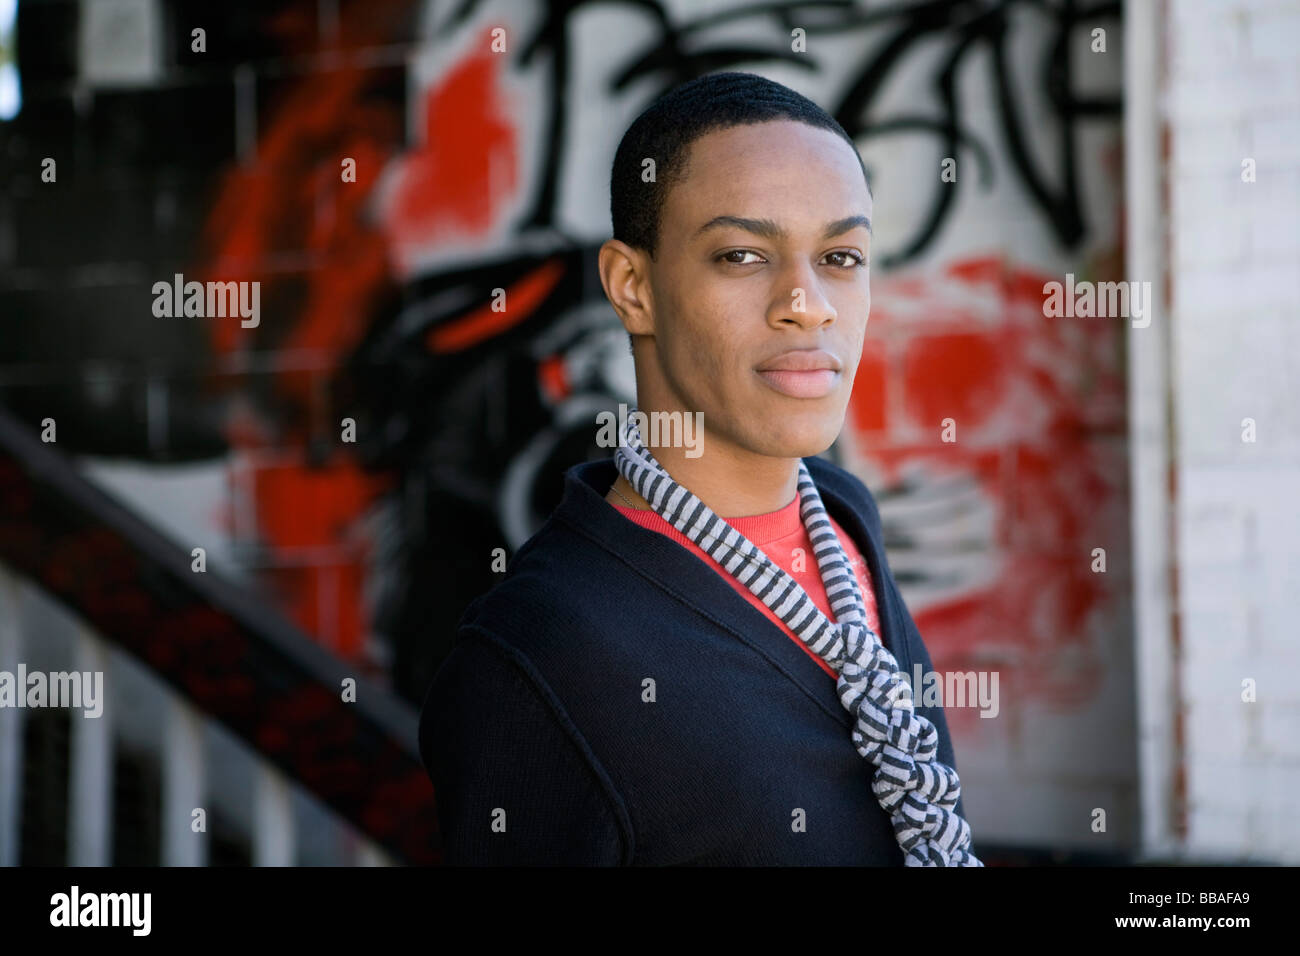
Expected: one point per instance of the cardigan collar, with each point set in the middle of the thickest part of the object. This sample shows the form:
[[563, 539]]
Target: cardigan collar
[[677, 571]]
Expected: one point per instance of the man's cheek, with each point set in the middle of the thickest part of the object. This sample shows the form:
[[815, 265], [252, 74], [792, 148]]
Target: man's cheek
[[700, 350]]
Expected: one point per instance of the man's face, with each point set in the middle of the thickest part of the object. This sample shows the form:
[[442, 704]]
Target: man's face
[[759, 318]]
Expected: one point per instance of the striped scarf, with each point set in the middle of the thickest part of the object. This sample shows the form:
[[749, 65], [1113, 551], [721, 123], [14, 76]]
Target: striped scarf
[[918, 792]]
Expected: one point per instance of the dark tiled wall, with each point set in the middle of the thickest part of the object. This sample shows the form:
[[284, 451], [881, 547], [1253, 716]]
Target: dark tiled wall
[[139, 169]]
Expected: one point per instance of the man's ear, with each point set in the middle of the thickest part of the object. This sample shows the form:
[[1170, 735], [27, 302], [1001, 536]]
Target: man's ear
[[625, 275]]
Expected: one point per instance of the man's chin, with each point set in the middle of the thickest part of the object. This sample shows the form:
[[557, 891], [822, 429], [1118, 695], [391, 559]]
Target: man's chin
[[801, 438]]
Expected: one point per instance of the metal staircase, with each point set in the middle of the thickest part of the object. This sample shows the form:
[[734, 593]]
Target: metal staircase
[[204, 683]]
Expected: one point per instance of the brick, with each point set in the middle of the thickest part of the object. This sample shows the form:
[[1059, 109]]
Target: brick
[[1216, 728], [190, 126], [1276, 835], [377, 87], [1217, 94], [1278, 783], [1274, 35], [45, 126], [92, 416], [238, 33], [47, 42], [1271, 285], [1194, 43], [1210, 149], [95, 322], [119, 44], [51, 221], [1274, 232], [1229, 247], [1249, 373], [1214, 774], [1219, 828], [1216, 655], [1222, 190], [1275, 621], [286, 196], [1209, 18], [1280, 731], [1216, 519], [1249, 502], [1276, 139], [35, 327]]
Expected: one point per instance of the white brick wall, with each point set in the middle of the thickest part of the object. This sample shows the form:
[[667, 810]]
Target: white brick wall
[[1233, 91]]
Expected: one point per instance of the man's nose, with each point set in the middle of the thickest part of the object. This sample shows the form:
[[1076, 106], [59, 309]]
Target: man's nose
[[798, 299]]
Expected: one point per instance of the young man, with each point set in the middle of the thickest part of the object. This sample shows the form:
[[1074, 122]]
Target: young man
[[701, 657]]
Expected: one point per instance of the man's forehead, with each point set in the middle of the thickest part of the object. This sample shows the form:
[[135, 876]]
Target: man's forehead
[[731, 184]]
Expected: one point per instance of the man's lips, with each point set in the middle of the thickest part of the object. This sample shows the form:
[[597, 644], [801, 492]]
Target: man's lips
[[802, 373], [802, 360]]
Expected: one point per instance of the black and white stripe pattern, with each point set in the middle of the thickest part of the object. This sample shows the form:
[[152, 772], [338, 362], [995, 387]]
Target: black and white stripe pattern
[[917, 791]]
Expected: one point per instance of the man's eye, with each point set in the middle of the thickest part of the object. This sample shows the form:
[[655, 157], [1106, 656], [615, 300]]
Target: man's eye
[[730, 257], [850, 260]]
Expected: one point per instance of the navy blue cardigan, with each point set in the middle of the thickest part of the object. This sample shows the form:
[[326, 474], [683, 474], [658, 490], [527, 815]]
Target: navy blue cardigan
[[544, 746]]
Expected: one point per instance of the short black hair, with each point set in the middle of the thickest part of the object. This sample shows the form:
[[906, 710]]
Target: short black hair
[[665, 131]]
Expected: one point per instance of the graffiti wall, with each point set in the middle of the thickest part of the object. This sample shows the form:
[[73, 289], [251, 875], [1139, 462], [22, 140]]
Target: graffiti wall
[[380, 169]]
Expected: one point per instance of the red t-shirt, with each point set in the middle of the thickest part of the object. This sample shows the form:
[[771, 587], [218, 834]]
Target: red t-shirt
[[779, 533]]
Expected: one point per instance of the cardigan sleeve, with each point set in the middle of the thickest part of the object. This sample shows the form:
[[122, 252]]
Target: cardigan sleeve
[[514, 782]]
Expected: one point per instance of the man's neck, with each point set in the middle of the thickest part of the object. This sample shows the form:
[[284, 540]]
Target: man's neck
[[732, 482]]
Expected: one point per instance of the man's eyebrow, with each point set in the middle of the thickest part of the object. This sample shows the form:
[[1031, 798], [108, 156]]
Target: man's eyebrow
[[770, 230]]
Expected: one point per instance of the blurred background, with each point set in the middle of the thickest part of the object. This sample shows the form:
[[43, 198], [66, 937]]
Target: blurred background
[[263, 534]]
